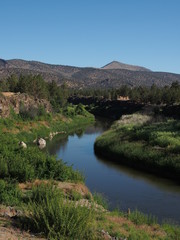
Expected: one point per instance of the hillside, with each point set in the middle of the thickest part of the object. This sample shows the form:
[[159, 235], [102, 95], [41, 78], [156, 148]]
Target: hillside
[[88, 77]]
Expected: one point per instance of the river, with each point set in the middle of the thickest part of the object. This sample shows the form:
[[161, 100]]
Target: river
[[122, 186]]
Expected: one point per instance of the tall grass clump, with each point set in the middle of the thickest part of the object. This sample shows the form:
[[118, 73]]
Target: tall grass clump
[[140, 218], [57, 217]]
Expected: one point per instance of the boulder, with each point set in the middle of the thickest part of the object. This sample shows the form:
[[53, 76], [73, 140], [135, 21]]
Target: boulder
[[22, 144], [41, 143]]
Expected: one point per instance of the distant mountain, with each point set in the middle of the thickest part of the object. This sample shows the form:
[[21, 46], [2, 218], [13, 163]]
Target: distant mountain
[[76, 77], [119, 65]]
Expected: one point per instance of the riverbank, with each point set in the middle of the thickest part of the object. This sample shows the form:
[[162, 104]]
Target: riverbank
[[143, 142], [48, 200]]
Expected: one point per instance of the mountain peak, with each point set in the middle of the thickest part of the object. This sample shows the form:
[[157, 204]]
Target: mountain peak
[[119, 65]]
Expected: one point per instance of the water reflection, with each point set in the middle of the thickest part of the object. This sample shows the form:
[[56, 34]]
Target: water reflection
[[59, 141], [160, 182]]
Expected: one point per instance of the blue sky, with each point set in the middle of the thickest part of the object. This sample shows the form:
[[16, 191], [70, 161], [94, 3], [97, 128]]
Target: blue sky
[[92, 32]]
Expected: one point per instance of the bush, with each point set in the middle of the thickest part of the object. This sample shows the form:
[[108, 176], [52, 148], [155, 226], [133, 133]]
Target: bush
[[33, 113], [80, 110]]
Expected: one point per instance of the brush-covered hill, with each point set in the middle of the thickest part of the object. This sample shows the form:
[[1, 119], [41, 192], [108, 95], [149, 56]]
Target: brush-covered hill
[[112, 75]]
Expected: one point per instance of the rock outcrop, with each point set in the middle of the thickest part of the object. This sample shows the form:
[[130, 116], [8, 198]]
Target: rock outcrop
[[15, 101]]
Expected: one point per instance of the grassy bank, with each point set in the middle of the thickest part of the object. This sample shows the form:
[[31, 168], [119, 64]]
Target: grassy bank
[[20, 164], [141, 142], [25, 165], [27, 129]]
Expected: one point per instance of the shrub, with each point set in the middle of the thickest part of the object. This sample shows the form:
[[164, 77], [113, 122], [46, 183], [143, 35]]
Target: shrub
[[33, 113]]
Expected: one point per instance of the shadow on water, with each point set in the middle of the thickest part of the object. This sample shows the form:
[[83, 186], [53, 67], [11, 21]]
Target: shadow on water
[[159, 182]]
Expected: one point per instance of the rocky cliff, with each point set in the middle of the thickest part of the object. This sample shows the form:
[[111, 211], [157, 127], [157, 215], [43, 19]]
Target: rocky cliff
[[9, 100]]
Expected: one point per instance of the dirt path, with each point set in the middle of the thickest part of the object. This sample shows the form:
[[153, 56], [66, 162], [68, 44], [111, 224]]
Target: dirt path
[[7, 229]]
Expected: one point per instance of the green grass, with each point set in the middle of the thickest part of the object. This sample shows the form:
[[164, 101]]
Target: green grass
[[153, 146], [140, 218], [10, 194]]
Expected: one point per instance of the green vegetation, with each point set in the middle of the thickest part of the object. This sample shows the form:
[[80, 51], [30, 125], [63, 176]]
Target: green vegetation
[[27, 164], [148, 145], [153, 94], [36, 86], [10, 194]]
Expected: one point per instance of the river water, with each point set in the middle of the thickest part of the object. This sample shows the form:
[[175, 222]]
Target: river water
[[122, 186]]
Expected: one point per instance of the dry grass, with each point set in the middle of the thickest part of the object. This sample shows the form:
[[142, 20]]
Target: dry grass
[[66, 187], [8, 94], [134, 119]]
